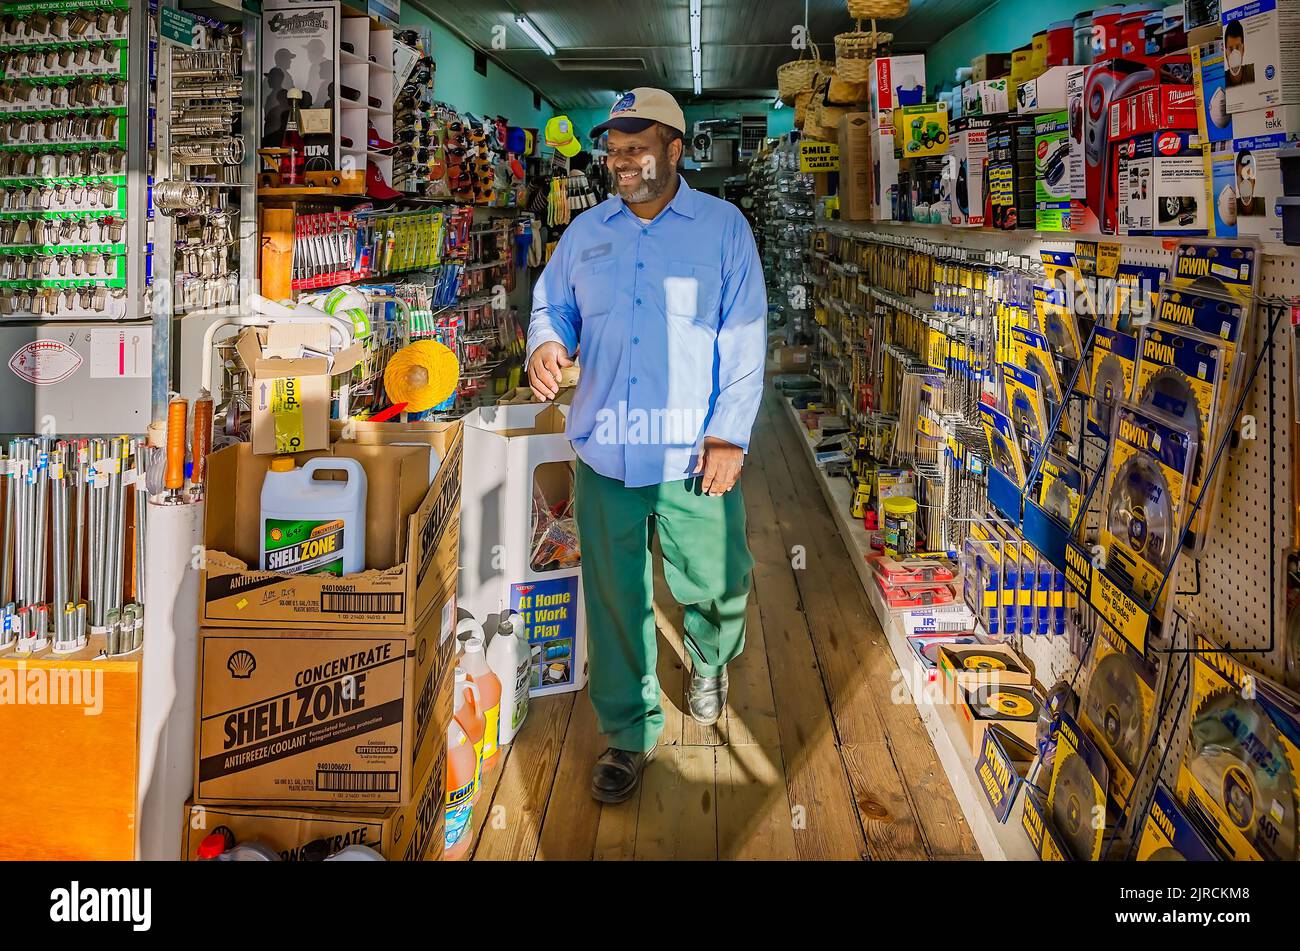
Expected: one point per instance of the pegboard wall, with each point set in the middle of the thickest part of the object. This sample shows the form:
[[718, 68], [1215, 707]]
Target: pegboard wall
[[1234, 592]]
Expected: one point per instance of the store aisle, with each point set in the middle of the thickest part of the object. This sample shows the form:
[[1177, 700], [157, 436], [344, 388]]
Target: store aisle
[[813, 760]]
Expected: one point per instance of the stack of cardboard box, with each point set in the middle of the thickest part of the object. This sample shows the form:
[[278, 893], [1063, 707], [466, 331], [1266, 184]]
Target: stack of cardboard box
[[868, 161], [324, 701]]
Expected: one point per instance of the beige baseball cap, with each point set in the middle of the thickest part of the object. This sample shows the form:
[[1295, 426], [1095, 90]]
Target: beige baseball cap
[[637, 110]]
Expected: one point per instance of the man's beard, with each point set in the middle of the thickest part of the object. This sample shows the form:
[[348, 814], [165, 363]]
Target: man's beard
[[646, 189]]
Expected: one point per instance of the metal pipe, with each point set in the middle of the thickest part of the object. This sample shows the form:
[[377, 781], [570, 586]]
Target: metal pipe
[[6, 541]]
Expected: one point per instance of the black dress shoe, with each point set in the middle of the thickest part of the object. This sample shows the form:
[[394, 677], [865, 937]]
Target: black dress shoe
[[617, 774], [707, 697]]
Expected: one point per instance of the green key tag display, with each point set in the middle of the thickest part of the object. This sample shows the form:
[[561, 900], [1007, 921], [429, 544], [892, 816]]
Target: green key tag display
[[304, 546]]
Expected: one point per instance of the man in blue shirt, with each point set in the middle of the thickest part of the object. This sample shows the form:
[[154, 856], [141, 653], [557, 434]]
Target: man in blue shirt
[[659, 290]]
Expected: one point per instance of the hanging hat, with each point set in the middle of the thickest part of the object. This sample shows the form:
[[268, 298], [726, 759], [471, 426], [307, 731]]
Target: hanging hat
[[559, 136]]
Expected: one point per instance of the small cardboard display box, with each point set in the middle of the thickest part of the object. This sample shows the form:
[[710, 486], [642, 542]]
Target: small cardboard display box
[[323, 717], [292, 370], [412, 537], [523, 467], [413, 832]]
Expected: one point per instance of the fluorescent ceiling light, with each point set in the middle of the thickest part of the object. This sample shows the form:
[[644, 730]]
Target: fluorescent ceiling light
[[697, 47], [535, 35], [779, 104]]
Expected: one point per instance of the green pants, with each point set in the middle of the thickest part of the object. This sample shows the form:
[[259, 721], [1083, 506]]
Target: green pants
[[707, 565]]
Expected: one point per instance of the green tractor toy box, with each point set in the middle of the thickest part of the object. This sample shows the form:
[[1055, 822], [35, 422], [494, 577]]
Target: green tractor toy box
[[921, 130]]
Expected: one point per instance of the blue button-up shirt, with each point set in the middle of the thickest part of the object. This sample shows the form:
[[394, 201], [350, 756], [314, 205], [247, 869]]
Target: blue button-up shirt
[[669, 321]]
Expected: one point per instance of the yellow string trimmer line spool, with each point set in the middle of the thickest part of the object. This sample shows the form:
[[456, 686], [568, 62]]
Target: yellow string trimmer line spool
[[421, 375]]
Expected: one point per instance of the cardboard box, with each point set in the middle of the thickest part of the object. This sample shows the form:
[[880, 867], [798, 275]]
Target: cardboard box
[[518, 453], [958, 680], [1048, 92], [1052, 183], [414, 832], [995, 97], [1161, 184], [1261, 53], [412, 535], [1083, 217], [292, 373], [1214, 122], [884, 177], [920, 131], [965, 172], [1256, 168], [856, 188], [323, 717], [975, 727], [895, 81], [792, 359], [990, 66]]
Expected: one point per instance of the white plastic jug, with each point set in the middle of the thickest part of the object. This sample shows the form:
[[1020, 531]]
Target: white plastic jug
[[310, 525], [511, 658]]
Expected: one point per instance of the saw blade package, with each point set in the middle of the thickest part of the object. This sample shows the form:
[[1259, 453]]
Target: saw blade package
[[1239, 777], [1114, 367], [1032, 351], [1062, 490], [1119, 707], [1025, 404], [1076, 799], [1183, 374], [1144, 508], [1170, 835], [1004, 447]]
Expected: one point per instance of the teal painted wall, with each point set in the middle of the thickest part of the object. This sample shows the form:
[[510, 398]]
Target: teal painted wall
[[456, 83], [999, 29], [779, 121]]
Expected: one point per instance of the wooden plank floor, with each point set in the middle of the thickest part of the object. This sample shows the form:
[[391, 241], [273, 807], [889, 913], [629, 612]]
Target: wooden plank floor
[[815, 758]]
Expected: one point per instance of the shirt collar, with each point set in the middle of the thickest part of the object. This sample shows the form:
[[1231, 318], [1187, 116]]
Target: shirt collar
[[683, 202]]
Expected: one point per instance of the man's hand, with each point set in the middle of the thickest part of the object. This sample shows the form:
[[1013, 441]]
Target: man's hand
[[719, 465], [544, 369]]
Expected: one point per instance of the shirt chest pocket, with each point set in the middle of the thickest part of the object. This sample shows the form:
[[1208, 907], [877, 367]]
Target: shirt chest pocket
[[594, 288], [692, 292]]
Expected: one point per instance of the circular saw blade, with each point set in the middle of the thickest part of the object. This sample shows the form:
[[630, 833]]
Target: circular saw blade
[[1167, 854], [1074, 804], [1052, 326], [1170, 390], [1026, 420], [1139, 510], [1238, 758], [1002, 458], [1056, 500], [1114, 706], [1107, 390], [1034, 363]]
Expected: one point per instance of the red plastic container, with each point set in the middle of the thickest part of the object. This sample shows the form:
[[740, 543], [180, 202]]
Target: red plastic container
[[1060, 43]]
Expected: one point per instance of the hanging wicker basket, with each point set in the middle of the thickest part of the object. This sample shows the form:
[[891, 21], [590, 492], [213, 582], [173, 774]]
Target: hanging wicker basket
[[878, 9], [844, 93], [800, 75], [855, 50], [801, 102]]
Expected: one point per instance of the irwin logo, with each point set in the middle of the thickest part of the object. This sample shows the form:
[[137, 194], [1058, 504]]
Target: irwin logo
[[1158, 352], [1133, 433]]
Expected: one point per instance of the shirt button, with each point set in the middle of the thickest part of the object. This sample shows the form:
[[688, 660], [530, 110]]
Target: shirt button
[[640, 265], [636, 339], [634, 381], [645, 230], [638, 301]]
